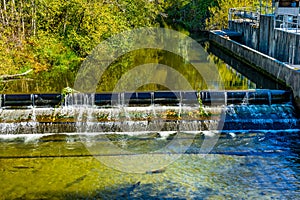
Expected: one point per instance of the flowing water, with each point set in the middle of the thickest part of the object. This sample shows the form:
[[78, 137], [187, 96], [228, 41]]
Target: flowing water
[[254, 156], [182, 159], [256, 165]]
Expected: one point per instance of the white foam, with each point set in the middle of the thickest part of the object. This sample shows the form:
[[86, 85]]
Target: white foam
[[25, 137], [163, 134]]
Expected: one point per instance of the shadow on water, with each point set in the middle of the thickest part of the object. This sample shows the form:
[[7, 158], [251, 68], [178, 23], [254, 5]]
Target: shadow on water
[[262, 81], [135, 191]]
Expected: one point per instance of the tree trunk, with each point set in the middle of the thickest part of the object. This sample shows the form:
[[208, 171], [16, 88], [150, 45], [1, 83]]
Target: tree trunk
[[2, 16], [22, 20], [5, 13], [33, 17]]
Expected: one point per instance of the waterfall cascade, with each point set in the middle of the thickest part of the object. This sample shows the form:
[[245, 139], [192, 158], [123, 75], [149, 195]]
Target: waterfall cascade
[[148, 111]]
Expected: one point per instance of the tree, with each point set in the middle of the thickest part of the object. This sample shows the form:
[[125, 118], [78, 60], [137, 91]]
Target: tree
[[190, 14], [218, 15], [53, 37]]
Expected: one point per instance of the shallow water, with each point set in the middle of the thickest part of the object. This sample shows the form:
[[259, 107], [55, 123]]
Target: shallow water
[[257, 165]]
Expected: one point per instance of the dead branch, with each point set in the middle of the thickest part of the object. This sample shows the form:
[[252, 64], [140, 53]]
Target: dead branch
[[13, 76], [23, 79]]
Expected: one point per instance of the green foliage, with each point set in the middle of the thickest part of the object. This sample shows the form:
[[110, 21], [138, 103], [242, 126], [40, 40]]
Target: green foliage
[[190, 14], [53, 37], [51, 53], [49, 34], [82, 24], [218, 15], [202, 111], [67, 90]]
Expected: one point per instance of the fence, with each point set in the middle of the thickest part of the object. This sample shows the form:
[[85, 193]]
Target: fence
[[251, 14], [287, 19]]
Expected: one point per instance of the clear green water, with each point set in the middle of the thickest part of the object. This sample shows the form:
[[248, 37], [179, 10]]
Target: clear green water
[[258, 165], [47, 82]]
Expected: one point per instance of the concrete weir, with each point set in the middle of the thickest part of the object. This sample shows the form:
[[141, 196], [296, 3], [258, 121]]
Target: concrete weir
[[267, 65], [148, 112], [162, 98]]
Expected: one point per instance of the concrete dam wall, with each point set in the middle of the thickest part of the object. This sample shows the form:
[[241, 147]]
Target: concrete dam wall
[[268, 65]]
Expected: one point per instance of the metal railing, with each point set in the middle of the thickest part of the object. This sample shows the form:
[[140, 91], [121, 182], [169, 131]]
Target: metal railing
[[251, 14], [287, 20]]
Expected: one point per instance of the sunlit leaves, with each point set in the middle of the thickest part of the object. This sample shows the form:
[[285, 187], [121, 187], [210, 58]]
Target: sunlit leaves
[[219, 14], [190, 14], [52, 37]]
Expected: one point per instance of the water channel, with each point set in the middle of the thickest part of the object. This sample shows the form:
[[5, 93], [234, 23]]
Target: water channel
[[187, 162]]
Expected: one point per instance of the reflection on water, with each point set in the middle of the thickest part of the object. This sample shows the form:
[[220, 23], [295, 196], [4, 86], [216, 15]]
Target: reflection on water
[[242, 165], [55, 81], [256, 76], [252, 165]]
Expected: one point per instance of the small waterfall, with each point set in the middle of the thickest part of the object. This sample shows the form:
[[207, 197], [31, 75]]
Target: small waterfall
[[33, 121], [79, 100], [82, 106], [23, 121], [148, 111], [152, 98]]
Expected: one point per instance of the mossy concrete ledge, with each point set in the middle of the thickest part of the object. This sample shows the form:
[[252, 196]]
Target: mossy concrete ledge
[[140, 119], [269, 66]]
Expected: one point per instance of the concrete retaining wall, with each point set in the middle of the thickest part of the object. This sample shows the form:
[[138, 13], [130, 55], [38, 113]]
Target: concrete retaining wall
[[266, 64], [280, 44], [250, 33], [266, 36], [286, 46]]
